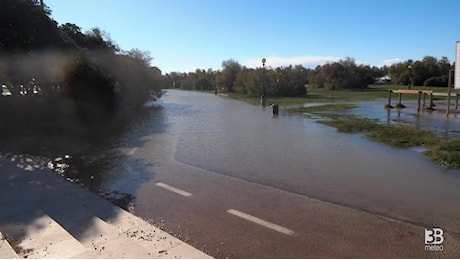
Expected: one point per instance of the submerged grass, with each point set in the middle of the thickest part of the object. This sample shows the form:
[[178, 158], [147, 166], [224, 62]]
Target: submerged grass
[[351, 124], [321, 95], [322, 108], [394, 135], [446, 153]]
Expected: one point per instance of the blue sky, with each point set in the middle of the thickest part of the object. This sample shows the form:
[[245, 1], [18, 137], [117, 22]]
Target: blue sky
[[183, 35]]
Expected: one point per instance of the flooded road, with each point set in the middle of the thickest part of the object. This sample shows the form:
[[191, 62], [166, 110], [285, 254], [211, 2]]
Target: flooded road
[[293, 154], [195, 163], [298, 155]]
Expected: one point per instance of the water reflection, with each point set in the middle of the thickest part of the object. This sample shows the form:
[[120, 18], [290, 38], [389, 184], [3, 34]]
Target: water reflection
[[436, 121], [111, 168], [296, 154], [103, 161], [288, 152]]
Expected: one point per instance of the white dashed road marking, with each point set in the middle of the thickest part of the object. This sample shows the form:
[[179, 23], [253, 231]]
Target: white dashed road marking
[[174, 189], [261, 222]]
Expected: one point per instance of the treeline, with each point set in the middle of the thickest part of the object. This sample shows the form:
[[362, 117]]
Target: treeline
[[293, 80], [427, 72], [281, 81], [53, 71]]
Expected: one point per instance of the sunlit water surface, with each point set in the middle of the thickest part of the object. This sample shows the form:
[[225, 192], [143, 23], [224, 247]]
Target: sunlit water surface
[[292, 153]]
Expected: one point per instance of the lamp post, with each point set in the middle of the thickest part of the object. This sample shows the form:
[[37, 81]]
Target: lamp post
[[410, 76], [262, 98]]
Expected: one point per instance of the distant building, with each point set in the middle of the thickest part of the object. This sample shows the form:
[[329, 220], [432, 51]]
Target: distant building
[[383, 80]]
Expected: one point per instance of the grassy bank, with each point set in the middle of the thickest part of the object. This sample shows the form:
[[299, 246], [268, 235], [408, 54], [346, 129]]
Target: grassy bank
[[336, 96], [446, 153], [322, 108], [394, 135]]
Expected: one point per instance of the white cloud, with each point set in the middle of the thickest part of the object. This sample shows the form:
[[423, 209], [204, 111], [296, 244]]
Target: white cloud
[[306, 61], [276, 61], [389, 62]]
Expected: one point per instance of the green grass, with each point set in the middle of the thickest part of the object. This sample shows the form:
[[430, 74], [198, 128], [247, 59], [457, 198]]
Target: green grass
[[322, 108], [243, 97], [446, 153], [402, 136], [321, 95], [352, 124], [394, 135]]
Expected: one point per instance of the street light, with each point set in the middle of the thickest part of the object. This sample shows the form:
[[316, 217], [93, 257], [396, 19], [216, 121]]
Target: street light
[[410, 76], [262, 98]]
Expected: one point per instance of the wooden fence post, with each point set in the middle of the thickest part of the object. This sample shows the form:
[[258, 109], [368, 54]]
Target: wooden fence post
[[431, 101], [419, 100], [389, 99]]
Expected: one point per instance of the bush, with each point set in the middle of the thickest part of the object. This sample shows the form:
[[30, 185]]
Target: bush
[[440, 81], [446, 154]]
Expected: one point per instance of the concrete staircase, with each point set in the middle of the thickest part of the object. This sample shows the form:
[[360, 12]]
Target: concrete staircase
[[63, 236], [6, 251], [45, 216], [45, 238]]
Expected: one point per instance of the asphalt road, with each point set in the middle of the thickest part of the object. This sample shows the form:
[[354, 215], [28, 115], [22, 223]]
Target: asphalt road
[[231, 218], [250, 203]]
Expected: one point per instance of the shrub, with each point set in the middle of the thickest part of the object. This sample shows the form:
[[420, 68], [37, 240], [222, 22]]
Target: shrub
[[439, 81]]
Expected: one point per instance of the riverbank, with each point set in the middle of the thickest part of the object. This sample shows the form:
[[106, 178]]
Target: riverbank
[[248, 155], [321, 95], [443, 152], [439, 150]]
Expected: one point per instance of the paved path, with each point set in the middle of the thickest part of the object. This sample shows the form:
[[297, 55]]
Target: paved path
[[46, 216], [231, 218]]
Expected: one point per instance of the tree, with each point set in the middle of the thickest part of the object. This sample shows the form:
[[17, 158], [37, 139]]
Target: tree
[[249, 81], [297, 78], [334, 75], [428, 72], [188, 83], [72, 35], [175, 79], [99, 40], [228, 75], [203, 84], [143, 57], [316, 78], [344, 74], [91, 89], [60, 64], [401, 72]]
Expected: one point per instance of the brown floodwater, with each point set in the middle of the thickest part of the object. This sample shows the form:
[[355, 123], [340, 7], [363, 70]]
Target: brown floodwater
[[288, 152], [296, 154]]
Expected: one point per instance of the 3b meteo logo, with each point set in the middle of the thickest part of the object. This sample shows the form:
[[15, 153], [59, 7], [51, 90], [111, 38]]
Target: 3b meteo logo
[[433, 239]]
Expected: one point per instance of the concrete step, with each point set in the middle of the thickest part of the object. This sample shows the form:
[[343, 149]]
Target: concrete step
[[6, 251], [85, 235], [50, 217], [158, 242], [100, 238], [115, 233], [44, 238]]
